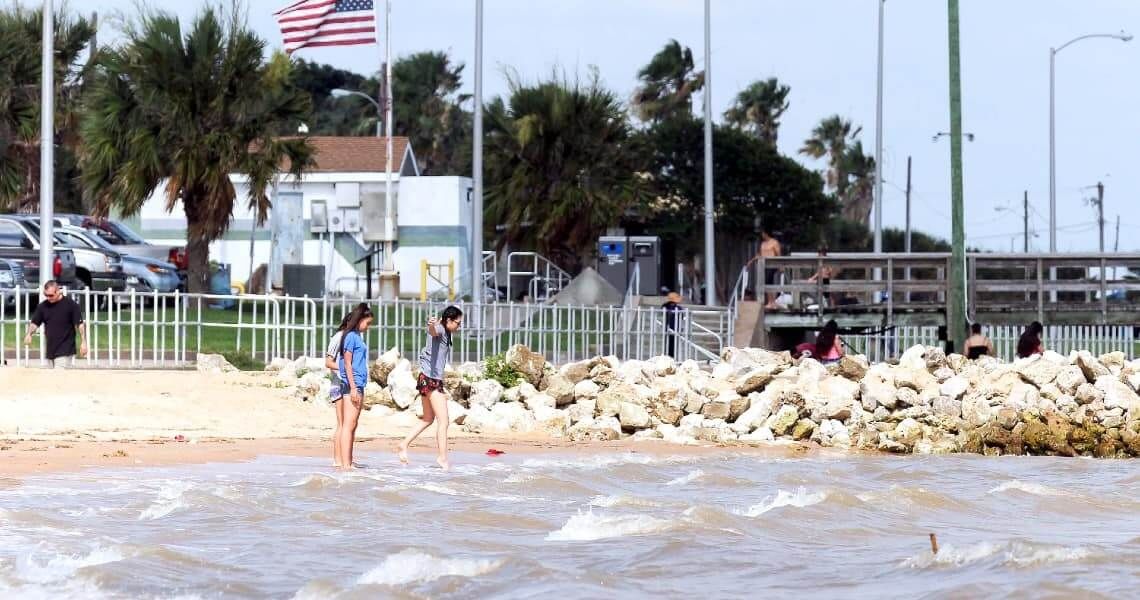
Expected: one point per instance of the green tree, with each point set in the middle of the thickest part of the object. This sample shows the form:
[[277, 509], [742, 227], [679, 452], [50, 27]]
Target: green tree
[[850, 172], [758, 109], [427, 108], [20, 38], [185, 110], [756, 186], [667, 83], [429, 111], [335, 116], [860, 194], [559, 168]]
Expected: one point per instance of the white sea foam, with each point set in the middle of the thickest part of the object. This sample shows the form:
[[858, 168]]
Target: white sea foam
[[1018, 554], [171, 497], [798, 499], [588, 526], [612, 501], [413, 566], [33, 567], [689, 477], [1029, 488]]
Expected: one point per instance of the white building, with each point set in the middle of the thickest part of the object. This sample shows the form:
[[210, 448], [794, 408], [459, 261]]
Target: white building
[[433, 218]]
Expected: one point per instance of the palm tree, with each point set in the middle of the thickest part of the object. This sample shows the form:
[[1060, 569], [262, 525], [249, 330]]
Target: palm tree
[[830, 139], [851, 173], [185, 110], [20, 35], [860, 169], [758, 109], [667, 84], [428, 109], [559, 169]]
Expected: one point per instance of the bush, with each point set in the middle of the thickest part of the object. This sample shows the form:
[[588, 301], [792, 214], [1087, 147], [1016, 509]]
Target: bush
[[244, 361], [496, 368]]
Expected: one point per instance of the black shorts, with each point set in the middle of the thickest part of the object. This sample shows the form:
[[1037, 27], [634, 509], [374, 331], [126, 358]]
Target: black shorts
[[770, 276], [426, 385]]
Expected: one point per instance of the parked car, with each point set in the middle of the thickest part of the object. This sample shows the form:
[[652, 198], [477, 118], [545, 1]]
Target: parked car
[[17, 243], [143, 274], [99, 270], [11, 277], [127, 241]]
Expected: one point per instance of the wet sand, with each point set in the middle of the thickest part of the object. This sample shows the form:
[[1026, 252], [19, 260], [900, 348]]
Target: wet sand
[[54, 421]]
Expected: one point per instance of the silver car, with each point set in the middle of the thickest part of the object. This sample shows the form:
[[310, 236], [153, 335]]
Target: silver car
[[143, 274]]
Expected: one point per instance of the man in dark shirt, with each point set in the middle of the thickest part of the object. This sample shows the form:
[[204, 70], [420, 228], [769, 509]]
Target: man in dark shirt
[[60, 317]]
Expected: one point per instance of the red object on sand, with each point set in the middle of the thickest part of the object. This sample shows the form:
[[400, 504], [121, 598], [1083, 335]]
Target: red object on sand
[[493, 452], [180, 438]]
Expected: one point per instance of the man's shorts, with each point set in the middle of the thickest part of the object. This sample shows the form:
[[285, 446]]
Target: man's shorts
[[62, 362]]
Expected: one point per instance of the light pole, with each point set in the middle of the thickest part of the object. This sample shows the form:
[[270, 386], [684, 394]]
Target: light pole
[[710, 224], [47, 147], [879, 144], [339, 93], [1122, 36]]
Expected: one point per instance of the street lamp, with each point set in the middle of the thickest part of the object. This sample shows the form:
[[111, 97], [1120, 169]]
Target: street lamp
[[1122, 36], [339, 93]]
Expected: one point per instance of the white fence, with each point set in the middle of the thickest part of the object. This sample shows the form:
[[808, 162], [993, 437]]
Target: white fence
[[129, 330], [1063, 339], [881, 346]]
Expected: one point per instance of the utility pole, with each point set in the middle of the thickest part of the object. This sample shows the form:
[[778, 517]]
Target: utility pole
[[1100, 212], [907, 242], [956, 312], [1025, 219], [906, 239]]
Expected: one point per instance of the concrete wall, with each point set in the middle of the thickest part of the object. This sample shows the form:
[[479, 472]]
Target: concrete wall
[[433, 218]]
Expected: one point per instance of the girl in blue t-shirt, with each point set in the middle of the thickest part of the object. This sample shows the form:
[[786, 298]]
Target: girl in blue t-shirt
[[353, 363]]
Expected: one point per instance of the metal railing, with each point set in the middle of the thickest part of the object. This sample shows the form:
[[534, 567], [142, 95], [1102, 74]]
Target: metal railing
[[130, 329], [888, 344], [545, 279], [1063, 339]]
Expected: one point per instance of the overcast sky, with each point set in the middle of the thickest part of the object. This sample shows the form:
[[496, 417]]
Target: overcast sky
[[825, 50]]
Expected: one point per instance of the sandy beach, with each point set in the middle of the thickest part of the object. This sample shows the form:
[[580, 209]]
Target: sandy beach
[[52, 421]]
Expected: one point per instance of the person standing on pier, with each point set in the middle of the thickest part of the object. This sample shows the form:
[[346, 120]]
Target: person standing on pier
[[769, 247]]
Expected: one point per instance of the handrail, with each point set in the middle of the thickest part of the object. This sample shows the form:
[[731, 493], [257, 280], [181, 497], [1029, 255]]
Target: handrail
[[541, 270], [633, 286], [709, 356]]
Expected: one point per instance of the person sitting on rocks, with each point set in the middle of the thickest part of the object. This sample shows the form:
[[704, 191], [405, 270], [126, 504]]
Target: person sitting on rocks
[[1030, 342], [978, 345], [828, 346]]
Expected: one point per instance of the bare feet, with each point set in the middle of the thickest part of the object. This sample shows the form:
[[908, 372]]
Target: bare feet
[[402, 453], [443, 463]]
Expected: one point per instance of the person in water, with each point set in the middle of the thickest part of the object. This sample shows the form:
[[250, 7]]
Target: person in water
[[828, 346], [433, 360], [978, 345], [1030, 342], [332, 352], [352, 364]]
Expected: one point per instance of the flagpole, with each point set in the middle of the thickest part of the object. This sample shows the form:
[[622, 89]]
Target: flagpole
[[47, 141], [477, 165], [391, 230]]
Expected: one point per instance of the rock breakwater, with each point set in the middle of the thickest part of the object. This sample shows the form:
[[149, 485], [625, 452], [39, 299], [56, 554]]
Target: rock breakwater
[[926, 403]]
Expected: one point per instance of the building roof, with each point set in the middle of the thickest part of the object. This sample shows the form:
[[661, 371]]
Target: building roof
[[335, 154]]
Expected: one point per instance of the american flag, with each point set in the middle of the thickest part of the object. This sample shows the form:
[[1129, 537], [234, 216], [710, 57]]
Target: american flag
[[311, 23]]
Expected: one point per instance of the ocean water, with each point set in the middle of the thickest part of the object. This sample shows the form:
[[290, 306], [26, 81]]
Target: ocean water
[[619, 525]]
